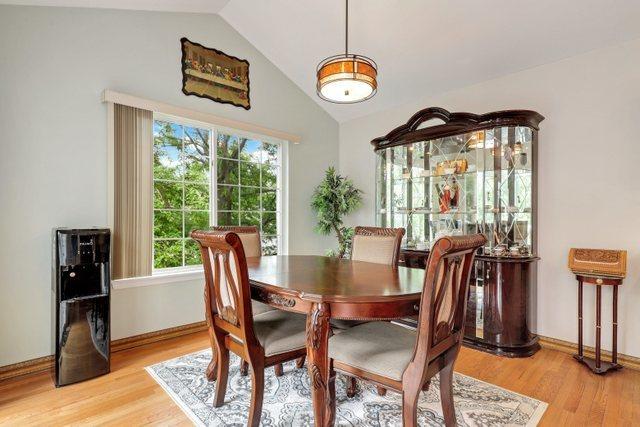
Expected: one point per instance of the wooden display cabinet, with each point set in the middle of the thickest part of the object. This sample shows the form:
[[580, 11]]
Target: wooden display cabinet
[[466, 174]]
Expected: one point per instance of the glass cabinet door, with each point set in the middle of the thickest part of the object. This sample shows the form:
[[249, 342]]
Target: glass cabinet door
[[382, 189], [508, 189], [474, 182]]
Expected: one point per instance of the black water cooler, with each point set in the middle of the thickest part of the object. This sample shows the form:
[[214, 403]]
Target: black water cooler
[[81, 283]]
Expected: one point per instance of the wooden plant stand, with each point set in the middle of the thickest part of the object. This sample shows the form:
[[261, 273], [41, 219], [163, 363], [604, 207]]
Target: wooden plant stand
[[598, 365]]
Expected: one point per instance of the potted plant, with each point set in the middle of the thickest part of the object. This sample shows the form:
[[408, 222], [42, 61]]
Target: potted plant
[[335, 197]]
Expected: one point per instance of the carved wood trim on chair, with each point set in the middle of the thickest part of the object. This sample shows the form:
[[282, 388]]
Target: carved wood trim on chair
[[238, 229]]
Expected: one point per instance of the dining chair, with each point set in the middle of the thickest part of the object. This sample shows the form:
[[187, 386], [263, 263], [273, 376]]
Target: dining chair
[[371, 244], [405, 360], [250, 237], [379, 245], [261, 340]]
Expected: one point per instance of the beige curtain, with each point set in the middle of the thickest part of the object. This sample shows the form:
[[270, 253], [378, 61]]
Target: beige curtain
[[133, 192]]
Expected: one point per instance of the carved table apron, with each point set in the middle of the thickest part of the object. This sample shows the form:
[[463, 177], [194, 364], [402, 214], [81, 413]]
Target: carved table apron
[[324, 288]]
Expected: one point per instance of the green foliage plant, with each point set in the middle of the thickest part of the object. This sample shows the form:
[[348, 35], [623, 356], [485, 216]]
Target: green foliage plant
[[333, 199]]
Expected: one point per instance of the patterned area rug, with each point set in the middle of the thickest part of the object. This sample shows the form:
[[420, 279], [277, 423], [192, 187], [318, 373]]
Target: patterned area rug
[[287, 399]]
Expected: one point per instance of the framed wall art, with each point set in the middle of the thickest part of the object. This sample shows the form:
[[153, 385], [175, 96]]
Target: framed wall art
[[212, 74]]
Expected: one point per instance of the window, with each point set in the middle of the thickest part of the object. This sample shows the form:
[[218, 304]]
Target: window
[[248, 173], [244, 188], [181, 189]]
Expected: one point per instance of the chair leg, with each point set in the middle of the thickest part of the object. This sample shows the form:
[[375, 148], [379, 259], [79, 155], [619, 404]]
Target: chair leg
[[332, 394], [223, 376], [446, 395], [351, 386], [278, 370], [300, 362], [211, 371], [410, 407], [244, 368], [257, 394], [381, 390]]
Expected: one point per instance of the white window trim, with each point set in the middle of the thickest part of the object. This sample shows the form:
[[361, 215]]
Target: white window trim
[[168, 276], [188, 273], [113, 97]]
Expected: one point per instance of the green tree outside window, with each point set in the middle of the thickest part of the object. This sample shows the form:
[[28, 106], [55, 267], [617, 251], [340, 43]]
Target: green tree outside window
[[246, 186]]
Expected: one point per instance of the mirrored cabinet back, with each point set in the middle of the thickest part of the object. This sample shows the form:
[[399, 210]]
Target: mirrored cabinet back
[[446, 173]]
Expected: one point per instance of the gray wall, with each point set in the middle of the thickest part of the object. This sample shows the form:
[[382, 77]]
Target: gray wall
[[54, 64], [589, 192]]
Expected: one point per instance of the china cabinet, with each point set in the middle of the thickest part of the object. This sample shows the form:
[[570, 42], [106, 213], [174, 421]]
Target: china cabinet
[[446, 173]]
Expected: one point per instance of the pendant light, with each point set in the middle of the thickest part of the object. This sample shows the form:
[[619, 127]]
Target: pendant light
[[346, 78]]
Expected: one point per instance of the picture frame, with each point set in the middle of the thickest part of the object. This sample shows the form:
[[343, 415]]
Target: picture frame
[[212, 74]]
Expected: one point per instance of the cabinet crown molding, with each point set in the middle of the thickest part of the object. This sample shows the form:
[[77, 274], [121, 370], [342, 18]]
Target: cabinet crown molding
[[454, 123]]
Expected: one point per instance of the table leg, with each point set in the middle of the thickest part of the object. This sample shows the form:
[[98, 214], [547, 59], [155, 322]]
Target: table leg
[[318, 363], [598, 323]]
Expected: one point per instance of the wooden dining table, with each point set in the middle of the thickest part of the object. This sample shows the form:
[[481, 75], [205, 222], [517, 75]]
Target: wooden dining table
[[325, 288]]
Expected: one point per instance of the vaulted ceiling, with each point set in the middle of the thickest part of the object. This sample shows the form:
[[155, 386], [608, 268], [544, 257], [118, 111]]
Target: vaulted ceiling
[[425, 47], [422, 47]]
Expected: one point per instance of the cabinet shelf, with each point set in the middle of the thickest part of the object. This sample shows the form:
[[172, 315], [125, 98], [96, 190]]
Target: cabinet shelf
[[468, 212], [463, 175]]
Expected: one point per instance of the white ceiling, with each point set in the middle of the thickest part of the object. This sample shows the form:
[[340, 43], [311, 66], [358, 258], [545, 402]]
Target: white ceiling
[[422, 47], [425, 47]]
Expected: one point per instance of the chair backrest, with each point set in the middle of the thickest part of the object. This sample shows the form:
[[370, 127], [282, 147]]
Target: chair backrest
[[227, 291], [250, 236], [444, 297], [376, 244]]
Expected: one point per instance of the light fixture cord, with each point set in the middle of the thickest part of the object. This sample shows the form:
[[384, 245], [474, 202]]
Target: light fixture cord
[[346, 28]]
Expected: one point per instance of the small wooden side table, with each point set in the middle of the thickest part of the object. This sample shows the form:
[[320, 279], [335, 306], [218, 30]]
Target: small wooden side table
[[598, 365]]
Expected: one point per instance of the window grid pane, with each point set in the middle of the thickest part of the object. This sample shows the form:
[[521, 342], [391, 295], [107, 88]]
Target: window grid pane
[[181, 190], [246, 184], [256, 186]]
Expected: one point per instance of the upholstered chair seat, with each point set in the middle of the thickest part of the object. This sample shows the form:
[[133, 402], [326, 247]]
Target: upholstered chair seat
[[258, 308], [280, 331], [381, 348]]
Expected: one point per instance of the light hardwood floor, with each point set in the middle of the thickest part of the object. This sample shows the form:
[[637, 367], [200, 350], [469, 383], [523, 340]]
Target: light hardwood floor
[[128, 396]]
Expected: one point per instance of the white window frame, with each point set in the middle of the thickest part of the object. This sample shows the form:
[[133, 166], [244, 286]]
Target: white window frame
[[213, 184], [196, 272]]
